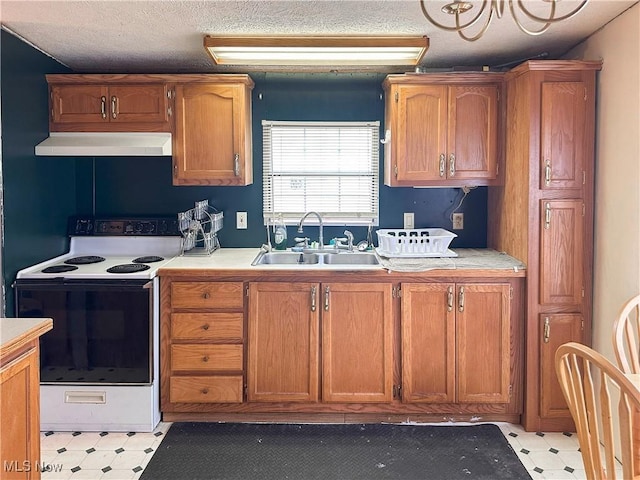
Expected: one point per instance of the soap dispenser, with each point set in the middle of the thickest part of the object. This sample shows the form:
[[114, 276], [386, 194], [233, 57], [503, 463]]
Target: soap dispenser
[[280, 235]]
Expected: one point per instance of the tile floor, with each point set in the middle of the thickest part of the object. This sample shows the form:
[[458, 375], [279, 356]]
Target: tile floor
[[123, 456]]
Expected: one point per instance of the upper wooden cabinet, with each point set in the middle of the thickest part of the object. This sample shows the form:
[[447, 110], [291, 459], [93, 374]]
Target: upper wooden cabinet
[[442, 130], [209, 116], [212, 142], [92, 103], [562, 139]]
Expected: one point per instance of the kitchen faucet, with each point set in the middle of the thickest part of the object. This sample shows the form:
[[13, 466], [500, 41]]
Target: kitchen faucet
[[320, 227]]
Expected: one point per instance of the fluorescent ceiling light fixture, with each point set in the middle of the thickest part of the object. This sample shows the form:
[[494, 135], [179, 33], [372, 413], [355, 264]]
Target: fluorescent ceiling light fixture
[[330, 51]]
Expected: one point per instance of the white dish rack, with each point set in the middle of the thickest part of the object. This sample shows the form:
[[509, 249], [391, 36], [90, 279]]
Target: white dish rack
[[199, 227], [417, 243]]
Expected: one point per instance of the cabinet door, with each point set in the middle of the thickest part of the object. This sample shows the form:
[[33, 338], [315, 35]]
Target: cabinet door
[[79, 104], [421, 133], [20, 407], [472, 132], [212, 134], [283, 356], [483, 347], [138, 103], [562, 139], [555, 330], [357, 343], [561, 252], [428, 342]]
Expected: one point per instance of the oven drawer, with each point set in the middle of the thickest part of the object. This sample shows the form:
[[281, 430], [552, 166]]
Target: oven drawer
[[212, 358], [207, 326], [207, 295], [210, 389]]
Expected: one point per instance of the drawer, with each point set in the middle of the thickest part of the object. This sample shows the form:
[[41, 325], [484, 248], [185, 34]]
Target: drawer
[[210, 389], [212, 358], [207, 295], [207, 326]]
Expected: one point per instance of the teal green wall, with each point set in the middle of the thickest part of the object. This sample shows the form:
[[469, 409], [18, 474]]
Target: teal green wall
[[41, 192], [143, 185]]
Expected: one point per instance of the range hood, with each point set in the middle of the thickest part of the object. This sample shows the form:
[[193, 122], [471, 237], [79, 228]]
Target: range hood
[[105, 144]]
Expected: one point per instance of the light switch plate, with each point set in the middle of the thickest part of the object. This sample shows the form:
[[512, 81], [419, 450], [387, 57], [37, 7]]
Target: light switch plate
[[241, 220]]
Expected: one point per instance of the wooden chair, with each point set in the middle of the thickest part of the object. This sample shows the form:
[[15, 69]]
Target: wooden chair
[[626, 336], [586, 378]]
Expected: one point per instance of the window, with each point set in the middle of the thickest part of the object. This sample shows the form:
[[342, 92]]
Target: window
[[327, 167]]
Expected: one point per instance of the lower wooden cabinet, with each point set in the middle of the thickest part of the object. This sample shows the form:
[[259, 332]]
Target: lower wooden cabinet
[[283, 354], [285, 347], [284, 342], [202, 348], [456, 343], [20, 397], [555, 329], [20, 426]]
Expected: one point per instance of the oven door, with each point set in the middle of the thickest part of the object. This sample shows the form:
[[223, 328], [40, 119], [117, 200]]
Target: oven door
[[102, 330]]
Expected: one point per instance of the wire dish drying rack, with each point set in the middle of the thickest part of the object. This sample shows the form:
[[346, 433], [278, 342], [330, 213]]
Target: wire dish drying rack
[[199, 227]]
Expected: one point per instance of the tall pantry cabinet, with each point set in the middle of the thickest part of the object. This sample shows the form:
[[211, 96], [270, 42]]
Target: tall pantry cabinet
[[543, 215]]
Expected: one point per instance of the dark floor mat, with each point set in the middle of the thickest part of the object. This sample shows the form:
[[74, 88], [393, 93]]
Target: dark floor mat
[[242, 451]]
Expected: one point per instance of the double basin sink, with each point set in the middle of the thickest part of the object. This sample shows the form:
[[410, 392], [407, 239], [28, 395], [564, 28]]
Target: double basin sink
[[331, 257]]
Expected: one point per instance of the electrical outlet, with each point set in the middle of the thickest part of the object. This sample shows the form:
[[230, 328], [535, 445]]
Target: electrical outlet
[[458, 221], [408, 220], [241, 220]]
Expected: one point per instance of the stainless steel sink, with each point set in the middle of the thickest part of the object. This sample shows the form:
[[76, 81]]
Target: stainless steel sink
[[286, 258], [323, 258], [351, 259]]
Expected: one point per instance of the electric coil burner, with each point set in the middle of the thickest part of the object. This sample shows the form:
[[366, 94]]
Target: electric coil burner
[[128, 268], [59, 269], [148, 259], [99, 366], [84, 260]]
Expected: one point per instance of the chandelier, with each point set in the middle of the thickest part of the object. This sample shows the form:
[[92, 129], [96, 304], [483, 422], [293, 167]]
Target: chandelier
[[496, 8]]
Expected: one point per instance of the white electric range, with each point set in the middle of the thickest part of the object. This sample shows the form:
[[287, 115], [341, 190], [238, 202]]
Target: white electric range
[[99, 366]]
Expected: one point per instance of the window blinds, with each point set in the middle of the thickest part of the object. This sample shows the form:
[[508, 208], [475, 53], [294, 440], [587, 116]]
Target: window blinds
[[327, 167]]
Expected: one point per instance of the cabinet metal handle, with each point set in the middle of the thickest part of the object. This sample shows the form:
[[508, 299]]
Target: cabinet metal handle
[[547, 172], [547, 330], [547, 216], [442, 161], [452, 164], [326, 299], [114, 106], [461, 299], [313, 298], [206, 295], [205, 326], [236, 164], [450, 299], [205, 358], [103, 106]]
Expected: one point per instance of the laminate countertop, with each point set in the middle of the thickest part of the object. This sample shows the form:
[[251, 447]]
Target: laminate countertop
[[239, 259], [16, 332]]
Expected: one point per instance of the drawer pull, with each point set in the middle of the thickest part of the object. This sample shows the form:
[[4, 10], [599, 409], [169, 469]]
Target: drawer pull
[[205, 326], [205, 358], [205, 391], [206, 295]]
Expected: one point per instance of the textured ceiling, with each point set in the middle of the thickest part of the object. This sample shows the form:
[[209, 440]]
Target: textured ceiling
[[166, 36]]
